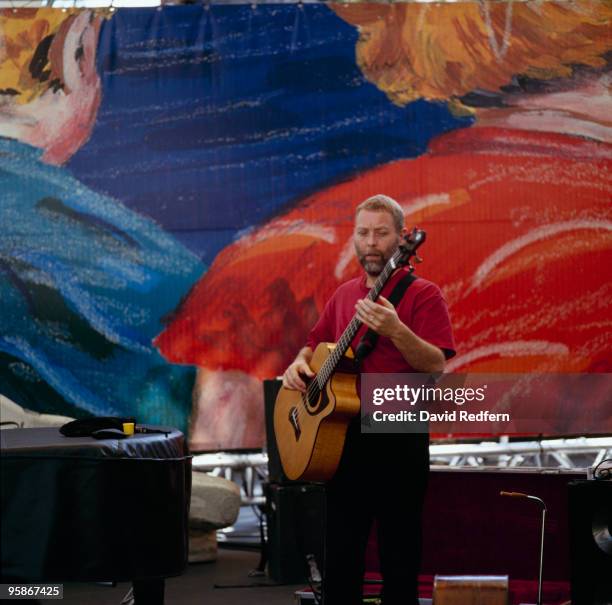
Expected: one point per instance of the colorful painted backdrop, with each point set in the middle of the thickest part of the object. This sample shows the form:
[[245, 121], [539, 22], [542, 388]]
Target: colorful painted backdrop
[[177, 189]]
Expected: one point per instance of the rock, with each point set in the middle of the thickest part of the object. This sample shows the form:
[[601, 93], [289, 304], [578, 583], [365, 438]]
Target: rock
[[202, 545], [215, 502]]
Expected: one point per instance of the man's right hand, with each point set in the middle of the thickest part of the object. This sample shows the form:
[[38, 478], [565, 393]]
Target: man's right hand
[[293, 378]]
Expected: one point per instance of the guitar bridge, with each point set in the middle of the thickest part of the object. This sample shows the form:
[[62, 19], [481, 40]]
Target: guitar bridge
[[294, 421]]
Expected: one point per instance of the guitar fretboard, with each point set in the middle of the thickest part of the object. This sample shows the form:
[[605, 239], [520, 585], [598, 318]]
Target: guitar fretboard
[[344, 342]]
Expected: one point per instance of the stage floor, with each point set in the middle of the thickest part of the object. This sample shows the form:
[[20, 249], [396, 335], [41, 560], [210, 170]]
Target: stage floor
[[224, 582], [227, 582]]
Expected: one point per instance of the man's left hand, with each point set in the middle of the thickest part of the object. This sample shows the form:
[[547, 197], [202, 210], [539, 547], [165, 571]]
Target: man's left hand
[[381, 316]]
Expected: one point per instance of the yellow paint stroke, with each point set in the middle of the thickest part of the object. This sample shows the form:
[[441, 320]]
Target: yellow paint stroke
[[444, 51], [23, 32]]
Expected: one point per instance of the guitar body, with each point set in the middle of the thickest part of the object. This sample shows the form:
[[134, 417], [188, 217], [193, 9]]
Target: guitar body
[[310, 435]]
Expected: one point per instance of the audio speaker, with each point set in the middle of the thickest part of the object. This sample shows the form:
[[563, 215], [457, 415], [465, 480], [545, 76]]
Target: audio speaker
[[590, 515], [275, 468], [295, 519]]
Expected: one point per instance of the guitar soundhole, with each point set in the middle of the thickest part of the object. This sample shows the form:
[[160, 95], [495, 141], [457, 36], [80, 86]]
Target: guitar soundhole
[[315, 401], [313, 398], [294, 421]]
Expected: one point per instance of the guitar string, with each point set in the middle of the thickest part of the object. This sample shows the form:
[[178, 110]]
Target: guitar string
[[314, 389]]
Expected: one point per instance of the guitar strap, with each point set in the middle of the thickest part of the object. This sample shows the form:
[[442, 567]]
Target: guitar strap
[[370, 338]]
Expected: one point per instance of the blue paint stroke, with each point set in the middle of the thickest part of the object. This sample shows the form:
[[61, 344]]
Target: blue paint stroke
[[84, 283]]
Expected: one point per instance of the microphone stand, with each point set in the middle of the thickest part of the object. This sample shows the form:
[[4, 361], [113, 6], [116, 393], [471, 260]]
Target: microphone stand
[[543, 505]]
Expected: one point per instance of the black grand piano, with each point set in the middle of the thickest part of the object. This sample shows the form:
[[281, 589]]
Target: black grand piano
[[82, 509]]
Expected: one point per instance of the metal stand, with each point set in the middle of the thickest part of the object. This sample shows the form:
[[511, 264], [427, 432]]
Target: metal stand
[[543, 505]]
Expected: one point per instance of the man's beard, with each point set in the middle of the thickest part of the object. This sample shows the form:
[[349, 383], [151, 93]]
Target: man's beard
[[373, 267]]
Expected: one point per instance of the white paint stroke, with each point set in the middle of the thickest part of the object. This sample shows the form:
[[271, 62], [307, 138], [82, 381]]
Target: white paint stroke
[[289, 228], [426, 201], [508, 349], [344, 258], [541, 233]]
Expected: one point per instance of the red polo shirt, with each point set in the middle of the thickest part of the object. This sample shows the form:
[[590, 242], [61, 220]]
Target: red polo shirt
[[422, 308]]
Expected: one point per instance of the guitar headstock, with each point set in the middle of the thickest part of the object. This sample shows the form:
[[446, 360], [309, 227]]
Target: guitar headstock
[[408, 248]]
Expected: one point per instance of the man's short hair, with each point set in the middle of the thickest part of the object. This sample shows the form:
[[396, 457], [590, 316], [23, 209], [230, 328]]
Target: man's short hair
[[384, 203]]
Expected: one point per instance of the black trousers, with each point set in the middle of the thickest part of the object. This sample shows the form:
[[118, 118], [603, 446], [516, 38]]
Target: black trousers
[[382, 478]]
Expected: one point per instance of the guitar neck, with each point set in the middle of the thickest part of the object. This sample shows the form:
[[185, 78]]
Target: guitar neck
[[344, 342]]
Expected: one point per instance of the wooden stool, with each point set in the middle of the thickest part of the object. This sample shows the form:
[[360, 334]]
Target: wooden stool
[[470, 590]]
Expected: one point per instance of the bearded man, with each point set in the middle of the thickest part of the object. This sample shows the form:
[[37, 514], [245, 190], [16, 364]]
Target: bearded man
[[380, 478]]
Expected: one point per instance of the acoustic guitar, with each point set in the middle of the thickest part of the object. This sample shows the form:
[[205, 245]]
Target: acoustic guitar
[[311, 427]]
